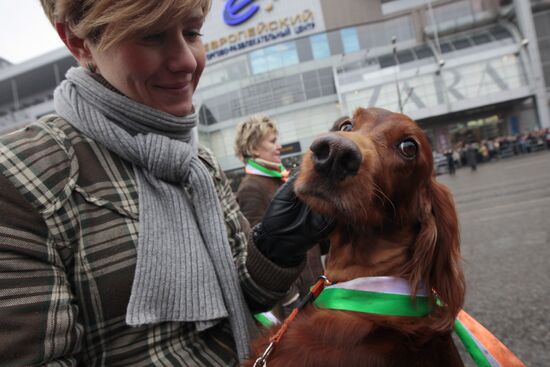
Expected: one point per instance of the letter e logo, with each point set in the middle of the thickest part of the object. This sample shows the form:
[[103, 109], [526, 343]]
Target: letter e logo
[[239, 11]]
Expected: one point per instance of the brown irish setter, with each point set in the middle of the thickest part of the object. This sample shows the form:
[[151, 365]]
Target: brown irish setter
[[374, 174]]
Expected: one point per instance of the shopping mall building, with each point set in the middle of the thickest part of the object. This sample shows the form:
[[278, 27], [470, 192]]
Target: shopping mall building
[[464, 69]]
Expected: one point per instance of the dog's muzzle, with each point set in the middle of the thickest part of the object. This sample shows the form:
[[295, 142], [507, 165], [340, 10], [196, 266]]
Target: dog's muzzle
[[335, 156]]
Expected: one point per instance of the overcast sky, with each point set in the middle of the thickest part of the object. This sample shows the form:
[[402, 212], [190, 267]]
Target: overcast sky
[[25, 32]]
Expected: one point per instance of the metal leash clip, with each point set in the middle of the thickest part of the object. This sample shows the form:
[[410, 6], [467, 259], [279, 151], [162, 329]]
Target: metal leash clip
[[327, 282], [262, 360]]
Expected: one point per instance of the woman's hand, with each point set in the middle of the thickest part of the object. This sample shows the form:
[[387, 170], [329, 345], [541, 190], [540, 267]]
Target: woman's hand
[[289, 228]]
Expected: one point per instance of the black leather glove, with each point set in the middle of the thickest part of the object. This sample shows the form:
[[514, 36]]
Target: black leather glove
[[289, 228]]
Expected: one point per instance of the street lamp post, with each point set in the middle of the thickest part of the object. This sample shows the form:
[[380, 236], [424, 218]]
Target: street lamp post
[[394, 45]]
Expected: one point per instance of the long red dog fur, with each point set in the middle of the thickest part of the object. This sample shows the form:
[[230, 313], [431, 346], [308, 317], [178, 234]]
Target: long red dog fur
[[374, 174]]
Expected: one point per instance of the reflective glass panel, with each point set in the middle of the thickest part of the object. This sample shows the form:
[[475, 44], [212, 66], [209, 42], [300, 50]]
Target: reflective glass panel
[[350, 40], [319, 46], [274, 57]]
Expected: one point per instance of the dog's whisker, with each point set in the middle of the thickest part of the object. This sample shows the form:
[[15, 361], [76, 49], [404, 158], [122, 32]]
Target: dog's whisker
[[379, 190]]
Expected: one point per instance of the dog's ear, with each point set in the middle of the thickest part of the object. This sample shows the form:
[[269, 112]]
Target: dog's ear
[[436, 254]]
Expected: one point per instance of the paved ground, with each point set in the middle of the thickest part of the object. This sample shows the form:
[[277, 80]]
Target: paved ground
[[504, 210]]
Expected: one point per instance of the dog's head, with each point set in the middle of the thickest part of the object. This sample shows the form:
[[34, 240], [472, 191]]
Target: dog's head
[[374, 174]]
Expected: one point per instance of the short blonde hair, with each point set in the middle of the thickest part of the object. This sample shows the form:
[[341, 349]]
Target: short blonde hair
[[250, 134], [108, 22]]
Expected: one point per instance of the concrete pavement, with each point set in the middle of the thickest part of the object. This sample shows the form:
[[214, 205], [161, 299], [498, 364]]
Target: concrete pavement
[[504, 211]]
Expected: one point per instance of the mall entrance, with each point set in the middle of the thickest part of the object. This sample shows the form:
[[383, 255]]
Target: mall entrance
[[472, 126]]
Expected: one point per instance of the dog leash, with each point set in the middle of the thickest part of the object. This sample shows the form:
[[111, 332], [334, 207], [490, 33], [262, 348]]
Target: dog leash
[[311, 296]]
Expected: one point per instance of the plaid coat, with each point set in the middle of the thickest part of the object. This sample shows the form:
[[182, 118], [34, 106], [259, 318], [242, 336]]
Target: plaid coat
[[68, 231]]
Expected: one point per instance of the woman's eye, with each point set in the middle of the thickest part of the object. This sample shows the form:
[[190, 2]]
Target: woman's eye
[[346, 126], [408, 148], [192, 34]]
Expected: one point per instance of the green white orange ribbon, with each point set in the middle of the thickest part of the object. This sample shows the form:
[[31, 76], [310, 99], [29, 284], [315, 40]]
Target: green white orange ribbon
[[484, 348], [254, 168], [267, 319]]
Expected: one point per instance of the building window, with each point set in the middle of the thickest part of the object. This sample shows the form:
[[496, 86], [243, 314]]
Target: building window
[[274, 57], [319, 46], [350, 40]]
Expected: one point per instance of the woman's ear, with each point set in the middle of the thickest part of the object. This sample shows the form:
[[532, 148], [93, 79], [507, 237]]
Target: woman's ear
[[77, 46]]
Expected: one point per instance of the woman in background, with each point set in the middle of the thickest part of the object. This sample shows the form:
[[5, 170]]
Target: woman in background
[[256, 145]]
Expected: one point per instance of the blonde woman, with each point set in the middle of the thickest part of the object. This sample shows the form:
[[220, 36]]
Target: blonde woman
[[257, 146], [120, 240]]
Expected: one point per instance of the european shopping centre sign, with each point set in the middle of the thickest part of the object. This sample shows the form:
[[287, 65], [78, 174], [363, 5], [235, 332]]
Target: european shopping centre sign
[[237, 12], [242, 25]]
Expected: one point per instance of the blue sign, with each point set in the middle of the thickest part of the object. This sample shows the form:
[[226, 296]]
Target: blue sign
[[239, 11], [514, 125]]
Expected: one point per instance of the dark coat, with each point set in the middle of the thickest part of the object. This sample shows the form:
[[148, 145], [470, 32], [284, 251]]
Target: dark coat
[[254, 195]]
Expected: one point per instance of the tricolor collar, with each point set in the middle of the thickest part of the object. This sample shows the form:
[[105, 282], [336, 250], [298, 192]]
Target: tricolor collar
[[391, 296]]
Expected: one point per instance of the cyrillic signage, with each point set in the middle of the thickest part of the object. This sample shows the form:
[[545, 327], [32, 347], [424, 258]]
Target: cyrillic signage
[[236, 26], [261, 33]]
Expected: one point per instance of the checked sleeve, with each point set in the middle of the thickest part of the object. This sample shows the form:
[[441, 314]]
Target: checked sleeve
[[263, 282]]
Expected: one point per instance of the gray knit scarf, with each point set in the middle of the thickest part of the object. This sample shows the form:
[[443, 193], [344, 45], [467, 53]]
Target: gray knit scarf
[[185, 269]]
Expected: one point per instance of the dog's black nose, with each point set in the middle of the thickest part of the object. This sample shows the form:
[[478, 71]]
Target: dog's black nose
[[335, 156]]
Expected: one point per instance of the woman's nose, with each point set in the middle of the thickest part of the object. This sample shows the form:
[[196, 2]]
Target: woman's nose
[[181, 56]]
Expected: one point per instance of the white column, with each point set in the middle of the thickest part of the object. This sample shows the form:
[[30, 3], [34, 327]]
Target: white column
[[527, 27]]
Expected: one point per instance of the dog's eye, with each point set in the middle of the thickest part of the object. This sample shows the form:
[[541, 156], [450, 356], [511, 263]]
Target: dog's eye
[[346, 126], [408, 148]]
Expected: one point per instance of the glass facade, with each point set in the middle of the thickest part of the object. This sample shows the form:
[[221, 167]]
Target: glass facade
[[26, 91], [248, 96], [315, 47], [267, 95], [451, 12], [424, 87], [273, 57], [380, 34]]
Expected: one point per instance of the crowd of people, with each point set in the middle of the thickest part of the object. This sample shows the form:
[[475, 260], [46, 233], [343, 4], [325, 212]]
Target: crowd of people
[[471, 154]]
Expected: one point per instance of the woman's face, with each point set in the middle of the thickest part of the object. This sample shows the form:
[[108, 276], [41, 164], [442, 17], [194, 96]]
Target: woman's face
[[268, 149], [161, 68]]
